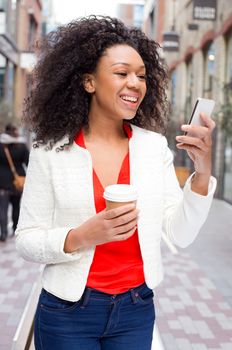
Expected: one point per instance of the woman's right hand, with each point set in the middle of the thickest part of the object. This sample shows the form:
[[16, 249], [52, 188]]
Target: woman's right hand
[[112, 225]]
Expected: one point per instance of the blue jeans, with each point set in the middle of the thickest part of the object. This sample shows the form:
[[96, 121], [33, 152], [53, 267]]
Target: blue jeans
[[98, 321]]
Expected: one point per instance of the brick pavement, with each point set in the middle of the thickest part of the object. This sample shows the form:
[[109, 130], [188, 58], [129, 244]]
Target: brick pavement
[[213, 247], [17, 277], [192, 314], [194, 302]]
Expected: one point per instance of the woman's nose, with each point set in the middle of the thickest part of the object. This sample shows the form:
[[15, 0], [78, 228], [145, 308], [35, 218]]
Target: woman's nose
[[132, 81]]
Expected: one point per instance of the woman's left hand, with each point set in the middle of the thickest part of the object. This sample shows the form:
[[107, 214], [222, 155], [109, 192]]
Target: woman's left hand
[[198, 143]]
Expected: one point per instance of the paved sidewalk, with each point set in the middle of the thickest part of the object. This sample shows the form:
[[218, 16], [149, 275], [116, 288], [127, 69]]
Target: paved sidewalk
[[213, 249], [191, 313], [17, 277], [194, 302]]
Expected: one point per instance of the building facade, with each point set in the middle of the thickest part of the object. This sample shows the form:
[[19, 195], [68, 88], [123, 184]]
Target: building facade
[[131, 12], [196, 37], [49, 22], [9, 56], [20, 27]]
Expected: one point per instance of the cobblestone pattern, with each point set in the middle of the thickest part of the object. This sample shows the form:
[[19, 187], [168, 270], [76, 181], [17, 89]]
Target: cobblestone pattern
[[191, 313], [16, 279]]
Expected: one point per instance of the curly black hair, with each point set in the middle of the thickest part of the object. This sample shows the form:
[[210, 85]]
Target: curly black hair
[[58, 104]]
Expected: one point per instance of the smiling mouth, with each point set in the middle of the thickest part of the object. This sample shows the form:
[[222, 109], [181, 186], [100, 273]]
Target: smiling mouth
[[131, 99]]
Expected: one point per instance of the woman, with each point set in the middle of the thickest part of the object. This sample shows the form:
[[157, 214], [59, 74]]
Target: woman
[[99, 88]]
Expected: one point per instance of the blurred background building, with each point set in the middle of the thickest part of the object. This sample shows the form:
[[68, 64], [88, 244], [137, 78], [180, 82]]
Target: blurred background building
[[131, 12], [196, 41], [20, 27], [48, 17]]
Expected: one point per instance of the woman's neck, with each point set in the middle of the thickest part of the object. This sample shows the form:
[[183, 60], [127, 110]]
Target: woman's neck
[[105, 128]]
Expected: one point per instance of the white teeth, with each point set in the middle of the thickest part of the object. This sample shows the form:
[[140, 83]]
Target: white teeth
[[130, 98]]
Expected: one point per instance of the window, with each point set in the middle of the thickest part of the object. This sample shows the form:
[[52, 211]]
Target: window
[[13, 19], [228, 102], [138, 15], [189, 88], [2, 76], [173, 89], [209, 65], [2, 5], [32, 33]]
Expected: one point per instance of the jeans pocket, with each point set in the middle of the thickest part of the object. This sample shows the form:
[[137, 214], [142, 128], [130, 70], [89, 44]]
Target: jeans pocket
[[145, 296], [50, 302]]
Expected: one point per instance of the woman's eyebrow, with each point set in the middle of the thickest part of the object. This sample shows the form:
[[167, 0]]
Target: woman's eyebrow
[[125, 64]]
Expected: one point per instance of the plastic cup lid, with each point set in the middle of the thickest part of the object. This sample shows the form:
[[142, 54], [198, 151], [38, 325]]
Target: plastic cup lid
[[120, 193]]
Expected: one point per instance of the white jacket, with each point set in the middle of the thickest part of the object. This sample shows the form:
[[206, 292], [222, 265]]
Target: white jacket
[[58, 196]]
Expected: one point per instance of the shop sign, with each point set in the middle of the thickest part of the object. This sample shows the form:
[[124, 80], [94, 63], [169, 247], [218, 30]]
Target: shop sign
[[193, 26], [171, 41], [205, 10]]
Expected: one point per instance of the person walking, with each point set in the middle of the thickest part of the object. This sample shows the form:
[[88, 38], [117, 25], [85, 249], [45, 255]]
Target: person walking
[[8, 194], [98, 110]]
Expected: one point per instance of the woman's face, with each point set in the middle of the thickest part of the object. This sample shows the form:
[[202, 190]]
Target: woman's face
[[118, 85]]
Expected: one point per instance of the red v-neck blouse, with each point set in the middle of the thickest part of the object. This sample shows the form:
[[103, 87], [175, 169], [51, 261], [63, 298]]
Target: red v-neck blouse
[[116, 266]]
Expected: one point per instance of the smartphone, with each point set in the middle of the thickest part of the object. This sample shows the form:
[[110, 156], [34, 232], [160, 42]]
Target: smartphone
[[202, 105]]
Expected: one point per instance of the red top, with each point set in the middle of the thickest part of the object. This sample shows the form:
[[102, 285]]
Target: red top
[[116, 266]]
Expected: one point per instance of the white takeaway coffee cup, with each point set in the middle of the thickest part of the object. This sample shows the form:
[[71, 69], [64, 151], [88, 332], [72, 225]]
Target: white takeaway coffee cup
[[120, 194]]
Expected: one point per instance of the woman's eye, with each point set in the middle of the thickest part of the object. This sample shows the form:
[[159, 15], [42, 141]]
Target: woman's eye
[[142, 77], [123, 74]]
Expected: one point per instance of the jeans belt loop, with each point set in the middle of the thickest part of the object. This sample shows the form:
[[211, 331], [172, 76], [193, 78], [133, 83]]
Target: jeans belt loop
[[134, 296]]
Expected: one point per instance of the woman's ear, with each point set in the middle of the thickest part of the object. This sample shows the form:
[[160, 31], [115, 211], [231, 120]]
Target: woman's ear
[[88, 83]]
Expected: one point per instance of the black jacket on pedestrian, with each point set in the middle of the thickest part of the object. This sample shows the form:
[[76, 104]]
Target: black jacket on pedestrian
[[20, 156]]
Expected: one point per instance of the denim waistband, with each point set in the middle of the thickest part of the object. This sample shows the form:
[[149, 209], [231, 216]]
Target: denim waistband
[[94, 293]]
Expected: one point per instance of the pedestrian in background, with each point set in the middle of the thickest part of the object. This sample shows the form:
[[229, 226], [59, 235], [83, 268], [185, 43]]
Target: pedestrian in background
[[99, 91], [8, 194]]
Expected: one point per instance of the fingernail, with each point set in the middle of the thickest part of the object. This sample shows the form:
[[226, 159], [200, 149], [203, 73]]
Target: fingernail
[[185, 127]]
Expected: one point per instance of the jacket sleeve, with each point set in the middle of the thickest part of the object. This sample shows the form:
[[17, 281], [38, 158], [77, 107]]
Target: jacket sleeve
[[184, 211], [36, 237]]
